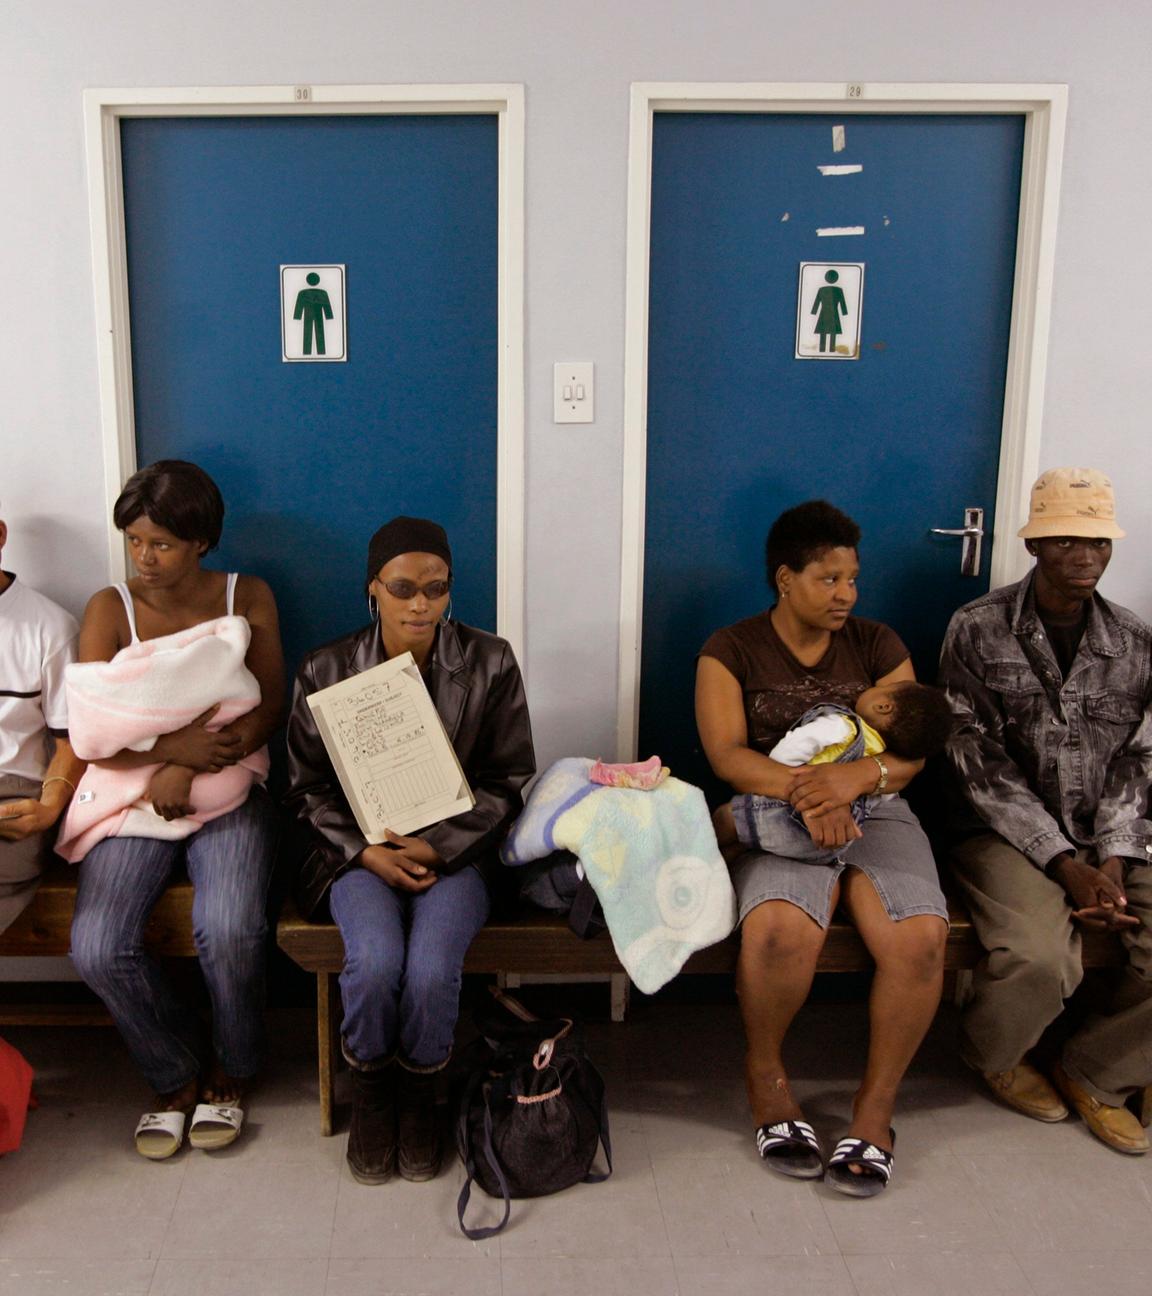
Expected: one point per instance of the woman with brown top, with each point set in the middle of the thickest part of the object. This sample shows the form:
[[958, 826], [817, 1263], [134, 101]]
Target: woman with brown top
[[755, 678]]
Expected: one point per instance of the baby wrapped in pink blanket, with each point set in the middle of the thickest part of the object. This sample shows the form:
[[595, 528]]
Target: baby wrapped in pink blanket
[[148, 689]]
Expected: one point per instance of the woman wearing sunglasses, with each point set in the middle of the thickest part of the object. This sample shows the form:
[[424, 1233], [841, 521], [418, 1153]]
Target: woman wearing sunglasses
[[408, 909]]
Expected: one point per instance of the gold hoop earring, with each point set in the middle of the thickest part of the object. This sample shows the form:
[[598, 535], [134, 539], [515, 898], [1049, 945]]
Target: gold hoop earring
[[373, 608], [447, 613]]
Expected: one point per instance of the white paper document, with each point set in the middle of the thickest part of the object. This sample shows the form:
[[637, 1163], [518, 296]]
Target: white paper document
[[389, 749]]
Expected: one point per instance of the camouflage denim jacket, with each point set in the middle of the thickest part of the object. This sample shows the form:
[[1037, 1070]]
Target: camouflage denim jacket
[[1051, 763]]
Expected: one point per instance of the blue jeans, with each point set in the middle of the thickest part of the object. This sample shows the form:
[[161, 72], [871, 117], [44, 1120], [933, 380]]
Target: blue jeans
[[403, 961], [229, 861]]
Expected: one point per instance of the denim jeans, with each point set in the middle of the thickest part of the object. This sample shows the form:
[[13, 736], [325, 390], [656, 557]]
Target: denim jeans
[[403, 961], [229, 862]]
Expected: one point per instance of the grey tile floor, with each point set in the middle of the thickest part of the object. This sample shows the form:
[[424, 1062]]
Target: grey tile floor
[[983, 1201]]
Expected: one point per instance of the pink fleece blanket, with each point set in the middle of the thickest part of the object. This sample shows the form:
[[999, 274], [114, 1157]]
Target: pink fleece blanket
[[146, 690]]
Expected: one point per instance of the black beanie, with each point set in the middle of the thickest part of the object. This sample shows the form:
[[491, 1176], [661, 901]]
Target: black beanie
[[406, 535]]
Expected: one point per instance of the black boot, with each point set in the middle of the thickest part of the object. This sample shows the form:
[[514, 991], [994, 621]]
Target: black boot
[[419, 1123], [372, 1136]]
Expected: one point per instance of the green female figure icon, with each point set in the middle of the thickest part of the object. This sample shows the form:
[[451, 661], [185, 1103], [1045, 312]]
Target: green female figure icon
[[827, 308], [313, 306]]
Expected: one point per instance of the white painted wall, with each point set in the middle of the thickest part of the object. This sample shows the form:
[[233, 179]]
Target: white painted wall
[[576, 60]]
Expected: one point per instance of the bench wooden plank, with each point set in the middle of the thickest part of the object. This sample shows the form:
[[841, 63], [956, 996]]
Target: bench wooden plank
[[54, 1014], [44, 928], [535, 942]]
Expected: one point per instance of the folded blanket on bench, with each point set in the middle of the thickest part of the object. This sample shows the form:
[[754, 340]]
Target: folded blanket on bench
[[148, 689], [651, 857]]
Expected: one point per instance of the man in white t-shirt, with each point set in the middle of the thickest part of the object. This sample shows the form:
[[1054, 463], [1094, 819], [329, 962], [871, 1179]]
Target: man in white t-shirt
[[38, 769]]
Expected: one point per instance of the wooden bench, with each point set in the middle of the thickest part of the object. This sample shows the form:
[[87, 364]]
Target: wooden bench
[[531, 943], [535, 942], [43, 930]]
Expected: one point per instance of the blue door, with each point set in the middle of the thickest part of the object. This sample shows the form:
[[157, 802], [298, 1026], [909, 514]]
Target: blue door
[[904, 438], [311, 458]]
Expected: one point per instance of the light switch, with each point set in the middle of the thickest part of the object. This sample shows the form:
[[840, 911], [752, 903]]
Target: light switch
[[573, 392]]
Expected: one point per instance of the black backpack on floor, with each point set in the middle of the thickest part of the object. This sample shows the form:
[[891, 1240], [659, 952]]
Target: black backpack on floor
[[532, 1113]]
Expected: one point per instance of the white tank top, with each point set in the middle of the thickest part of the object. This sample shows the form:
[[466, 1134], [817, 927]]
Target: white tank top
[[126, 599]]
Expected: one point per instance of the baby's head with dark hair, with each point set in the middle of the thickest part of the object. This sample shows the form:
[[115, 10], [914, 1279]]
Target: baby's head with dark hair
[[914, 720], [804, 534], [175, 495]]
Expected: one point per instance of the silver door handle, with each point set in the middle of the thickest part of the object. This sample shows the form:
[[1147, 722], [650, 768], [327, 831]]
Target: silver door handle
[[972, 533]]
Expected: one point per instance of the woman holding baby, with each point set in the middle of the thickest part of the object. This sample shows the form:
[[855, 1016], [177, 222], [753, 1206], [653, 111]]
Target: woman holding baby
[[755, 680], [180, 683]]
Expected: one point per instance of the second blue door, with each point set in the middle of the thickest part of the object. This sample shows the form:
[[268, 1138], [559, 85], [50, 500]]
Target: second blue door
[[904, 438]]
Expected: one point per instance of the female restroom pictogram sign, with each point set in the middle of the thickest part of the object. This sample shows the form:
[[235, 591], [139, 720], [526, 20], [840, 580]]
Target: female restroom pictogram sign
[[313, 320], [828, 309]]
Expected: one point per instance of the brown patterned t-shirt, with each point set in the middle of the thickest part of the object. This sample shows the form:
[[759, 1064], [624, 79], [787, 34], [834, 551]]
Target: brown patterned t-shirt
[[778, 689]]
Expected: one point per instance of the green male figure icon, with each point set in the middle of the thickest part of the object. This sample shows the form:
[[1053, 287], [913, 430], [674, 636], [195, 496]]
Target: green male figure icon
[[829, 303], [313, 306]]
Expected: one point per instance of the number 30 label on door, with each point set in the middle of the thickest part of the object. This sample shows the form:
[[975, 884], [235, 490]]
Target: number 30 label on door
[[828, 310], [312, 316]]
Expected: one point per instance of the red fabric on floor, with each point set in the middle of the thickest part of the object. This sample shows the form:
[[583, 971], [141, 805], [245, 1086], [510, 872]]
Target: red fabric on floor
[[15, 1096]]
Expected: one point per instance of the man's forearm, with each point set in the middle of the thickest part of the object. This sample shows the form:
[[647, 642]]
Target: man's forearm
[[61, 777]]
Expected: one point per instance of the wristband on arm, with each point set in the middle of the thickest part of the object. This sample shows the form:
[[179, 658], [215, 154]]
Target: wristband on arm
[[882, 780]]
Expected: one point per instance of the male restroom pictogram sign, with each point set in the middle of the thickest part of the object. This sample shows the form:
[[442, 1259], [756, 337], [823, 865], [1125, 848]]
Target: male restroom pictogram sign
[[313, 320]]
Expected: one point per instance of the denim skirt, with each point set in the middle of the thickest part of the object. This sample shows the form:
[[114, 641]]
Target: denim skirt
[[894, 853]]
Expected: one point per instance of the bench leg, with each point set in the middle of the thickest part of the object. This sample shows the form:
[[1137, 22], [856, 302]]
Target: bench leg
[[620, 988], [326, 1001]]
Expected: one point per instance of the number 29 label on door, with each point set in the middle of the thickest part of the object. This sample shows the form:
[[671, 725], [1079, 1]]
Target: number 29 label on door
[[828, 310], [313, 322]]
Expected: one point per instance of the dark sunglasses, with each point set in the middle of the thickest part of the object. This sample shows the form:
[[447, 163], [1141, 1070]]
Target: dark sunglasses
[[407, 590]]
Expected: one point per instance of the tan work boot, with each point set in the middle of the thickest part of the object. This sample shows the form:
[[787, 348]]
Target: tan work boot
[[1025, 1090], [1115, 1126]]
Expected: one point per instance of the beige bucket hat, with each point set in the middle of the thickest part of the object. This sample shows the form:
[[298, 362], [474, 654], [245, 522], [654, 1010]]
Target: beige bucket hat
[[1072, 502]]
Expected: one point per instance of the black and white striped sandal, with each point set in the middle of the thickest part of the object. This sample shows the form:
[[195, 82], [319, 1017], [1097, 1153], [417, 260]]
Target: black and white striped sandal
[[875, 1163], [791, 1148]]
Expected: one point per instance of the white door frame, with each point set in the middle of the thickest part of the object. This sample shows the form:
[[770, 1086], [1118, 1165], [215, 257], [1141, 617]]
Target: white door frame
[[103, 111], [1044, 109]]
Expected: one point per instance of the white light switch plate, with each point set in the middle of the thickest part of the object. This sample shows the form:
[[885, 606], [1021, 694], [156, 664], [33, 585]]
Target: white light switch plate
[[572, 392]]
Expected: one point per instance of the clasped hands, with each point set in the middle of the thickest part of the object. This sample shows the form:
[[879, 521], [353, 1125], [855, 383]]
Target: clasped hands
[[823, 796], [186, 752], [405, 863], [1096, 895]]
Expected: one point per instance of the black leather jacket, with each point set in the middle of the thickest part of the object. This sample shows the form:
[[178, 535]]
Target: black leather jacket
[[476, 686]]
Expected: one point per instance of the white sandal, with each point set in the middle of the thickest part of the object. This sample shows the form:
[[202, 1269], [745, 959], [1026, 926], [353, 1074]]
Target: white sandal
[[214, 1127], [159, 1134]]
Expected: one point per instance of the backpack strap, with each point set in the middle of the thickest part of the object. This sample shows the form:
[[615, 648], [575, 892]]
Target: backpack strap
[[598, 1176], [583, 917], [479, 1234]]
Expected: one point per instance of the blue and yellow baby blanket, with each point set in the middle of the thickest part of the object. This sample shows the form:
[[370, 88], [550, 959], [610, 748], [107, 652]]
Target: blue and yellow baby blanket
[[651, 857]]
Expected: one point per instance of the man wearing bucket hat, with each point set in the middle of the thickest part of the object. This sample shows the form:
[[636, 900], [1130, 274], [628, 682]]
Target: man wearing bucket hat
[[1052, 757]]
